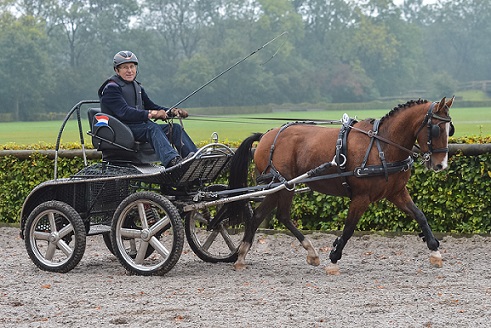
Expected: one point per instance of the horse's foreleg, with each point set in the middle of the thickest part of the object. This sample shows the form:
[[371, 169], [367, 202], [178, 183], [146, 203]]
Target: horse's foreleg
[[357, 207], [251, 226], [404, 202]]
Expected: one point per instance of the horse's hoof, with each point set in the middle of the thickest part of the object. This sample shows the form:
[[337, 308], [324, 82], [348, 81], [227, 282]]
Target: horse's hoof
[[239, 266], [436, 259], [315, 261], [333, 269]]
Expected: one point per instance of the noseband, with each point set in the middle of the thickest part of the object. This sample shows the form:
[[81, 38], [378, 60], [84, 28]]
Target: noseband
[[434, 132]]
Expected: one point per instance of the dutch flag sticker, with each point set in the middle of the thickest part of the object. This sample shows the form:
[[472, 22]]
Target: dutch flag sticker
[[102, 120]]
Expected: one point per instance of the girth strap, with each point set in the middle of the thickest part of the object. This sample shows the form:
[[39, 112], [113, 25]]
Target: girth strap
[[373, 134], [342, 149]]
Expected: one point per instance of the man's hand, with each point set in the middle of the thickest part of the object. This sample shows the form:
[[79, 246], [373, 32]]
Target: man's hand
[[179, 112], [157, 114]]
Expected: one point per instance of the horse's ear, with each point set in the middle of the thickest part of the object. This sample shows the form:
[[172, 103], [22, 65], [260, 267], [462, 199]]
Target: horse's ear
[[441, 105], [450, 102]]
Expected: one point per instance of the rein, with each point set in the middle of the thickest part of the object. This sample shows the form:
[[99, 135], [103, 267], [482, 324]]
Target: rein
[[374, 135]]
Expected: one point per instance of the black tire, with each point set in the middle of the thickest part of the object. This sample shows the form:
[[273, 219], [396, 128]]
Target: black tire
[[106, 236], [220, 244], [55, 237], [147, 235]]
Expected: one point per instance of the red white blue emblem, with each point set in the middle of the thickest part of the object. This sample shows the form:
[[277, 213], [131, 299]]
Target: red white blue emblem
[[102, 120]]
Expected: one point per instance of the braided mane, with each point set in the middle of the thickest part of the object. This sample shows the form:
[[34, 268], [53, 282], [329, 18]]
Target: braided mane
[[399, 107]]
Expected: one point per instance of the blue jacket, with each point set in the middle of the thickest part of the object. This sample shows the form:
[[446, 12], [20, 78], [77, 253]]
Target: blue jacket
[[115, 101]]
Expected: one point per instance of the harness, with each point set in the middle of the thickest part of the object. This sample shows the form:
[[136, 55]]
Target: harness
[[363, 170], [273, 174], [342, 149]]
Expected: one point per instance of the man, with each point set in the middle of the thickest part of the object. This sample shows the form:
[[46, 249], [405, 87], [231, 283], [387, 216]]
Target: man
[[124, 98]]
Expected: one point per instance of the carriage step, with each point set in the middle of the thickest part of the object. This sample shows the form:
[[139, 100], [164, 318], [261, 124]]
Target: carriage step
[[98, 229]]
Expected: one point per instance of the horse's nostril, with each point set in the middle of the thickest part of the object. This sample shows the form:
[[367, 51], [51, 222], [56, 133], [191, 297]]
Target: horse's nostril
[[439, 167]]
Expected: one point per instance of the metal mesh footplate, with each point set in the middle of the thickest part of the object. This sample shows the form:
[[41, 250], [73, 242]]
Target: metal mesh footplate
[[201, 169], [109, 170], [205, 166]]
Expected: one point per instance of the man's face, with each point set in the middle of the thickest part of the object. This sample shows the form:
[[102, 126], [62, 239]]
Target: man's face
[[127, 71]]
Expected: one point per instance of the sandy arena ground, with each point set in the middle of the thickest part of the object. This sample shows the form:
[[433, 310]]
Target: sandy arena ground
[[384, 282]]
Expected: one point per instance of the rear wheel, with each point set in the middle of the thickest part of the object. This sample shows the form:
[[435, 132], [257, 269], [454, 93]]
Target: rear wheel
[[55, 237], [219, 243], [106, 236], [147, 235]]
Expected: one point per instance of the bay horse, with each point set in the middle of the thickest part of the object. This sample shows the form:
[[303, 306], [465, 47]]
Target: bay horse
[[366, 160]]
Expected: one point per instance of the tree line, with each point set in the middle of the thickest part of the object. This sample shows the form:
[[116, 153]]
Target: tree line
[[58, 52]]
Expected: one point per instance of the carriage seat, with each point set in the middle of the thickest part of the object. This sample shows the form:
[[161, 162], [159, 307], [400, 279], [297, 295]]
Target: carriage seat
[[116, 140]]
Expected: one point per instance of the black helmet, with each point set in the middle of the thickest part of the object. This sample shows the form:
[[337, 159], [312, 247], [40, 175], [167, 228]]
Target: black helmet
[[124, 56]]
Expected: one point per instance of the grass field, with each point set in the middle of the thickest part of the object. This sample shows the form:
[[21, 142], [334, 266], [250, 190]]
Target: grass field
[[467, 121]]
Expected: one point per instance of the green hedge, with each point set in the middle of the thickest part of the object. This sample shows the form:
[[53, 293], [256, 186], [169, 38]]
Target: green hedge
[[19, 177], [455, 200]]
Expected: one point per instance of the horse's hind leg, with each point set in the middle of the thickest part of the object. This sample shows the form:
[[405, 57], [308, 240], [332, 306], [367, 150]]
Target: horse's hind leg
[[404, 202], [284, 216], [357, 207], [266, 207]]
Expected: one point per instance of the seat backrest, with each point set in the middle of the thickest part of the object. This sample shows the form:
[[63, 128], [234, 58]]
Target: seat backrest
[[116, 140], [108, 132]]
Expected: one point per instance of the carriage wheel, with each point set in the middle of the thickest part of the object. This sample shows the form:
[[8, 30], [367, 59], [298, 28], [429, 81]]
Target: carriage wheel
[[219, 244], [55, 236], [106, 236], [147, 234]]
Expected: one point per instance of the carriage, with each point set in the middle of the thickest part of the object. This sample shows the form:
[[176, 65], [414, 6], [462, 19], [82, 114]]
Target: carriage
[[143, 210], [136, 205]]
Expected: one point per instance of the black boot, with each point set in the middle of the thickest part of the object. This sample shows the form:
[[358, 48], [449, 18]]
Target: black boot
[[173, 162]]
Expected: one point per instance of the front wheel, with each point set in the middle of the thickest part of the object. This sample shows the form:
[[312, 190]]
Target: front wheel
[[55, 236], [219, 243], [147, 235]]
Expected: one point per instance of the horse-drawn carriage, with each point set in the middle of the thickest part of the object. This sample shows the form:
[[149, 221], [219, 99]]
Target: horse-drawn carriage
[[135, 205], [144, 210]]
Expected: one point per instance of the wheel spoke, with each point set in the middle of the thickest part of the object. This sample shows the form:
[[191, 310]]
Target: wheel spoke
[[130, 233], [211, 238], [50, 252], [142, 251], [64, 247], [66, 230], [39, 235], [197, 217], [160, 225], [142, 214], [161, 249], [52, 222], [228, 240]]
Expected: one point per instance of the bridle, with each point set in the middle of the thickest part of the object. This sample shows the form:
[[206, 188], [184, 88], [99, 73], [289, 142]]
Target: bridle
[[434, 131]]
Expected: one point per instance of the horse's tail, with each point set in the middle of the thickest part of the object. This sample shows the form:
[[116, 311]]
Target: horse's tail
[[239, 211], [239, 165]]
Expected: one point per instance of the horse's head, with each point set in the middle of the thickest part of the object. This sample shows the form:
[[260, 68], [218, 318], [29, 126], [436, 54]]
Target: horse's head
[[433, 135]]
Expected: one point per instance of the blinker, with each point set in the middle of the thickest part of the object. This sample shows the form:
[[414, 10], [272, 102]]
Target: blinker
[[435, 130]]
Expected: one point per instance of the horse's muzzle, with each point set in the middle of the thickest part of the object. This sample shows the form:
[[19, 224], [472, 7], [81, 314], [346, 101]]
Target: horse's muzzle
[[437, 166]]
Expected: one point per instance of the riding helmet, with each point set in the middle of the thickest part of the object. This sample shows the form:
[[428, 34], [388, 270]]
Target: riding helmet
[[124, 56]]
